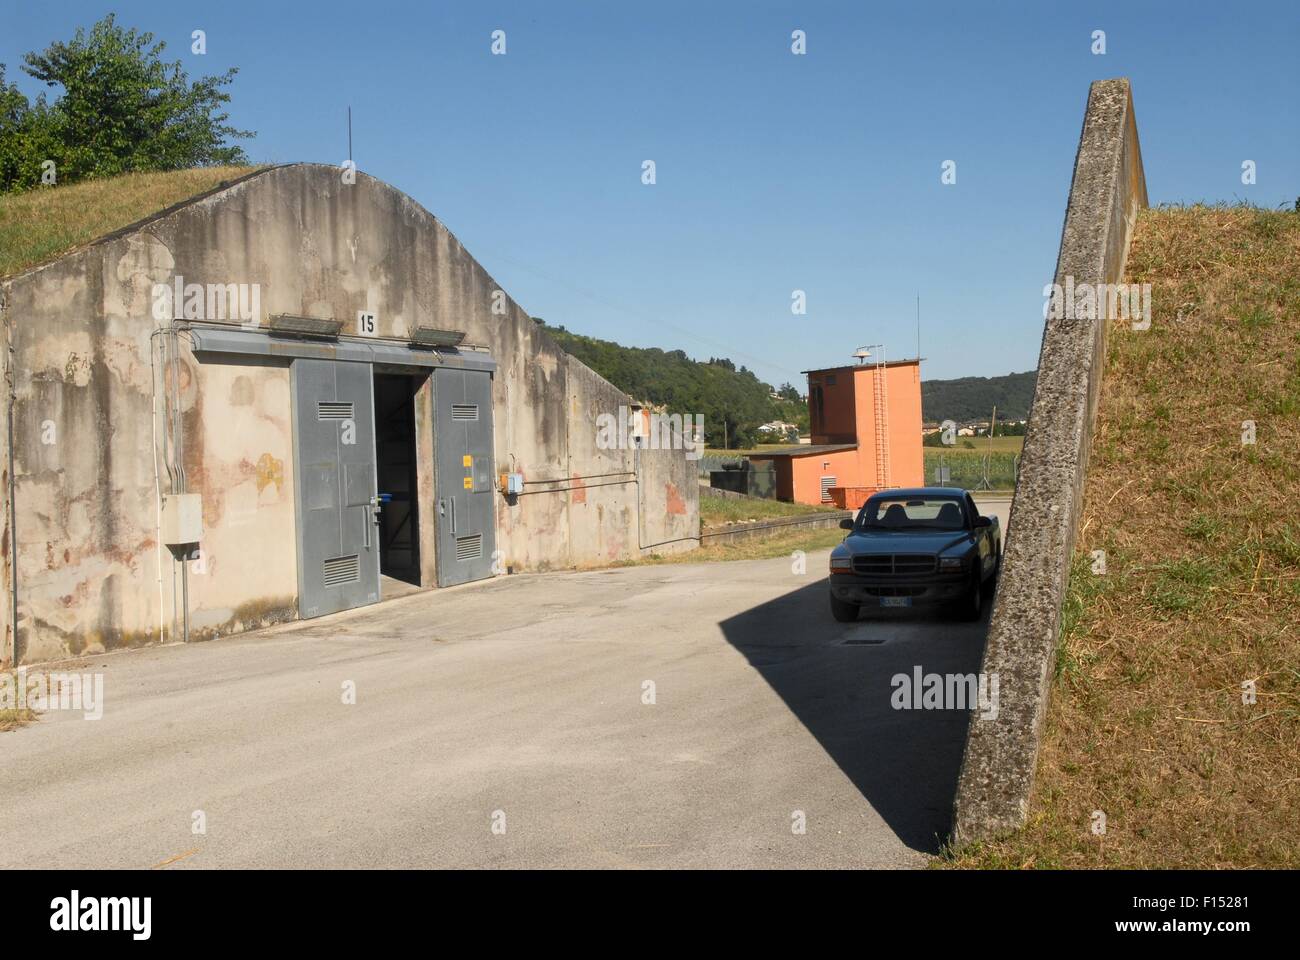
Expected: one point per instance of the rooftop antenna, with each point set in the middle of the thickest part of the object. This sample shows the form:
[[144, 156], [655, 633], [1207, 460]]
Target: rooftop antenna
[[349, 134], [918, 326], [862, 354]]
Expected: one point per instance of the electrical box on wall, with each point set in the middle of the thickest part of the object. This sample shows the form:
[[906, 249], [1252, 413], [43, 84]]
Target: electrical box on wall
[[182, 519], [512, 484]]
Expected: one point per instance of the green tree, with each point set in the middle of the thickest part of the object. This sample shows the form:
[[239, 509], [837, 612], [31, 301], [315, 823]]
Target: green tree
[[733, 402], [123, 109], [26, 137]]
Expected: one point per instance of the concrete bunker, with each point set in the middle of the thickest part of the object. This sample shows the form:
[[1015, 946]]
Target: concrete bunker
[[328, 402]]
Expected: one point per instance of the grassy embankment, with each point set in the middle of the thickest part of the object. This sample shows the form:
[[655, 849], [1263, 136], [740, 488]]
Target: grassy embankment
[[1151, 720], [45, 222], [716, 512]]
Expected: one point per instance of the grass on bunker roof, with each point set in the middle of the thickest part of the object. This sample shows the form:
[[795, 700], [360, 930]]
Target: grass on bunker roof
[[44, 223], [1201, 592]]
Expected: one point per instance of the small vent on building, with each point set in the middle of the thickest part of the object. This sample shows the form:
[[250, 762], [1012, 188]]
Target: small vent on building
[[334, 409], [464, 411], [342, 570], [827, 483], [469, 548]]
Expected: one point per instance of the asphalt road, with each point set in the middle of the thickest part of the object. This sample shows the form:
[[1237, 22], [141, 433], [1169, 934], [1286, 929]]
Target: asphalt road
[[517, 703]]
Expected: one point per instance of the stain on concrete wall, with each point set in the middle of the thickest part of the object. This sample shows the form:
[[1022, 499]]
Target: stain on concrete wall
[[239, 459]]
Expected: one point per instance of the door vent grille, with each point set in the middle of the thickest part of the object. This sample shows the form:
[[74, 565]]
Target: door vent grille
[[469, 548], [464, 411], [342, 570], [827, 483], [334, 409]]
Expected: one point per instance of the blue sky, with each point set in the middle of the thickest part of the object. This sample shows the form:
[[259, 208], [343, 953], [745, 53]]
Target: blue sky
[[775, 172]]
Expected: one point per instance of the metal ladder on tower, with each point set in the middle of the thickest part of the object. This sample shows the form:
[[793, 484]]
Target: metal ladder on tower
[[881, 397]]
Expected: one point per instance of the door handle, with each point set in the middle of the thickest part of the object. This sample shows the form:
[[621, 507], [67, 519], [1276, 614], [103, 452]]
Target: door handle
[[443, 511]]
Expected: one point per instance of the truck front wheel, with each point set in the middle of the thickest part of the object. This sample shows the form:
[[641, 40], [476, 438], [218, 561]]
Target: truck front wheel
[[972, 605]]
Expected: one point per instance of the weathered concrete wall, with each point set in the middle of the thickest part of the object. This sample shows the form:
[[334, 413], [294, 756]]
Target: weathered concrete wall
[[91, 573], [602, 511], [670, 502], [87, 557], [1107, 191], [7, 638]]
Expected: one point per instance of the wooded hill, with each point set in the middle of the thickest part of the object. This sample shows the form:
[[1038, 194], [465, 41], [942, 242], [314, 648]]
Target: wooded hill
[[973, 398], [735, 402]]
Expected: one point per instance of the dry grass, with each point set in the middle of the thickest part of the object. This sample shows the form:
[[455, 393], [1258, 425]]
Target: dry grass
[[12, 718], [1202, 587], [981, 445], [758, 448], [720, 511], [46, 222]]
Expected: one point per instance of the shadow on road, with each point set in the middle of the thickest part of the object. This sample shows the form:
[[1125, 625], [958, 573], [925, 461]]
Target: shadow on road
[[835, 677]]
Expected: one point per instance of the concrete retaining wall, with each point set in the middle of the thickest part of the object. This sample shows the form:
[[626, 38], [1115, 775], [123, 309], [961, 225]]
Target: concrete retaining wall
[[748, 531], [1107, 191]]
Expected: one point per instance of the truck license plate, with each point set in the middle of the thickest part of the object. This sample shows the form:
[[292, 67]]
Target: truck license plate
[[895, 601]]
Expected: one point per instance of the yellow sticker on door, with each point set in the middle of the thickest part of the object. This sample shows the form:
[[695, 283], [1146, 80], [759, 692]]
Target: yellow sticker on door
[[469, 482], [467, 461]]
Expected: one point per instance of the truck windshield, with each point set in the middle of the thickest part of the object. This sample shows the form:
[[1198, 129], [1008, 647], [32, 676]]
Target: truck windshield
[[912, 513]]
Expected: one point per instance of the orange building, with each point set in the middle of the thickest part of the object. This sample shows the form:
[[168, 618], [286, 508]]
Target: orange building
[[866, 435]]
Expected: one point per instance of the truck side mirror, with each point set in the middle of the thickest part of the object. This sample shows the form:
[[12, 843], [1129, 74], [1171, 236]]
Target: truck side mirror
[[846, 523], [983, 522]]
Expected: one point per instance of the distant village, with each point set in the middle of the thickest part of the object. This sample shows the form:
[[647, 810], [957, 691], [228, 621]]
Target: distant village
[[780, 431]]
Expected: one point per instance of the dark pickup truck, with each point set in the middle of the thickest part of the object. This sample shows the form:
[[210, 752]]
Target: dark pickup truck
[[916, 547]]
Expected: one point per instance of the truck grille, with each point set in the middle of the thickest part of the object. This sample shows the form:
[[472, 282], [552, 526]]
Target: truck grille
[[894, 564]]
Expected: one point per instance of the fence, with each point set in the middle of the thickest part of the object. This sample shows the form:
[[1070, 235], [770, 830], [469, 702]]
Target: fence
[[971, 469]]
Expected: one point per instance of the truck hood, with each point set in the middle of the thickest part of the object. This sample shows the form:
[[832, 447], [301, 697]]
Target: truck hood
[[908, 541]]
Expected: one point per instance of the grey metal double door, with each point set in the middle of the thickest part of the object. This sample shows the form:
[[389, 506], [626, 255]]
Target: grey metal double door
[[462, 442], [334, 440]]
